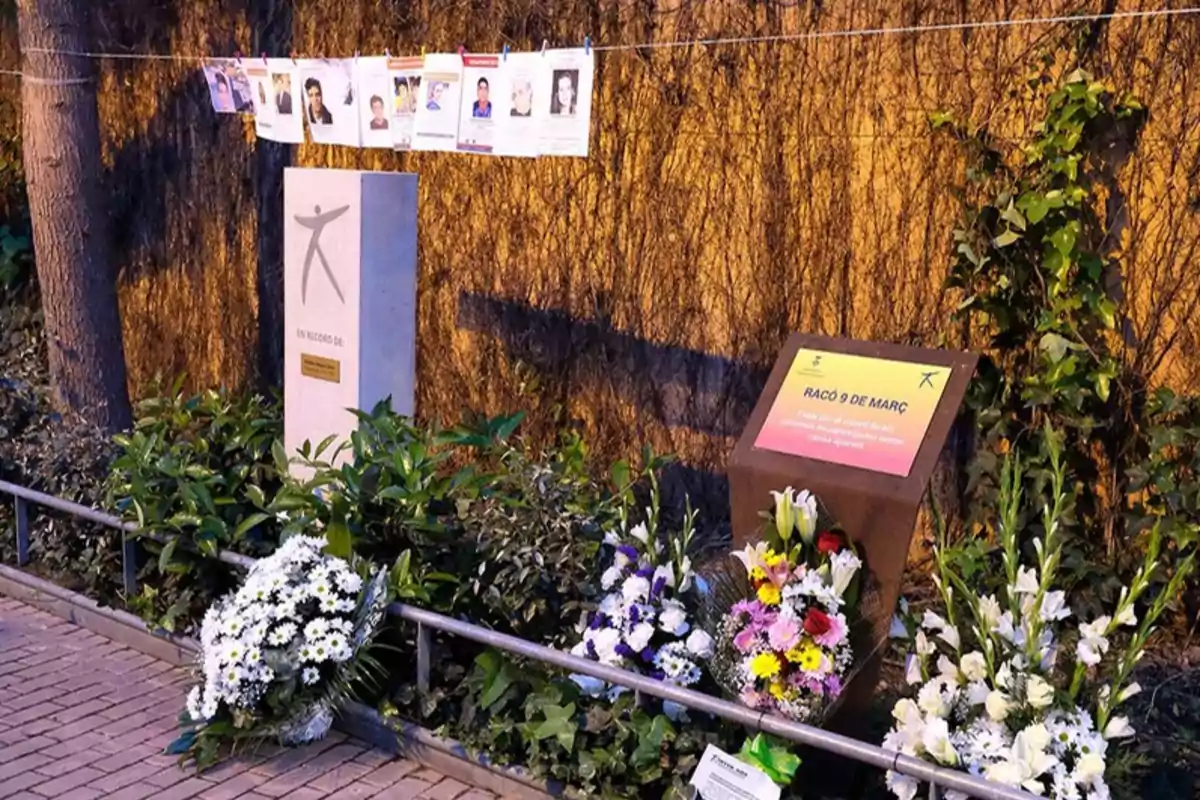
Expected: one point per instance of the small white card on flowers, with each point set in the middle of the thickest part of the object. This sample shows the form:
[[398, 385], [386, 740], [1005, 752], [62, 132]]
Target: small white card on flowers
[[720, 776]]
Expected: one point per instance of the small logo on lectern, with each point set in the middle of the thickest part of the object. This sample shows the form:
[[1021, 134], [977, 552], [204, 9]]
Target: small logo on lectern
[[316, 224], [926, 379]]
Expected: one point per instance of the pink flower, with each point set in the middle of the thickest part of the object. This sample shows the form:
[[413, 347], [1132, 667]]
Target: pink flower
[[745, 639], [784, 634], [834, 635], [752, 699], [834, 684]]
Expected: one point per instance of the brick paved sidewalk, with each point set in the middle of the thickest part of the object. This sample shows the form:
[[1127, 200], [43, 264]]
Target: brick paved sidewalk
[[83, 717]]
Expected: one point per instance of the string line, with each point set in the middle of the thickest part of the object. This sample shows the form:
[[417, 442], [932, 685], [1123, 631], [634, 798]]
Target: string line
[[744, 40]]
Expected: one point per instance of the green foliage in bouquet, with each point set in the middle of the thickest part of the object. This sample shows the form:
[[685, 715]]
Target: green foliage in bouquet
[[772, 757], [195, 473]]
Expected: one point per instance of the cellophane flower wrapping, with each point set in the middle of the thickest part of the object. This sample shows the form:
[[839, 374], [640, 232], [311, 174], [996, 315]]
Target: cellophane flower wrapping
[[645, 620], [276, 655], [783, 642]]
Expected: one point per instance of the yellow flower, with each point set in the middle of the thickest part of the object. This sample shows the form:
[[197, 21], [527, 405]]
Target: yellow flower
[[765, 665], [777, 690], [794, 655], [768, 594], [810, 658], [772, 558], [758, 574]]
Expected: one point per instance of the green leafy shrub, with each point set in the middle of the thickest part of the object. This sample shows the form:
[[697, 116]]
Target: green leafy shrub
[[196, 474]]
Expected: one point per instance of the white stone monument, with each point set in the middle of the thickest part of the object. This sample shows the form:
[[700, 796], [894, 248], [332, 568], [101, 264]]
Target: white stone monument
[[350, 298]]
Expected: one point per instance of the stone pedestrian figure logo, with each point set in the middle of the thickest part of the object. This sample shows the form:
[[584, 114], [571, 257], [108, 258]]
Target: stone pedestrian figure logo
[[316, 224]]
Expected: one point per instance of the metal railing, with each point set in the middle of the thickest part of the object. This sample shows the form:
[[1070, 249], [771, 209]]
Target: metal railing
[[864, 752]]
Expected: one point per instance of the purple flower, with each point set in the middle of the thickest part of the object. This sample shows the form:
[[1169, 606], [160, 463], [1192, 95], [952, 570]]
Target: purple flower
[[646, 572], [745, 639], [834, 684], [591, 651], [634, 615], [597, 622], [657, 587], [647, 654], [628, 550], [625, 650], [747, 607], [658, 674]]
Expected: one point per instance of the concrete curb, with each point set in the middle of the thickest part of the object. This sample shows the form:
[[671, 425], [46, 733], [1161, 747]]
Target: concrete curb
[[402, 738]]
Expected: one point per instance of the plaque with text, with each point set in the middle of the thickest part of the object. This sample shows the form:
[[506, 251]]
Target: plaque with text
[[871, 413]]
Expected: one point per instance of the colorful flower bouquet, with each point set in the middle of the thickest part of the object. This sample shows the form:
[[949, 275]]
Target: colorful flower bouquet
[[784, 645], [999, 689], [644, 621], [280, 653]]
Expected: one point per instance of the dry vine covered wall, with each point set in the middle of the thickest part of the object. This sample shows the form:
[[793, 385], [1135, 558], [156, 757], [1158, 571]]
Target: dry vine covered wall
[[734, 194]]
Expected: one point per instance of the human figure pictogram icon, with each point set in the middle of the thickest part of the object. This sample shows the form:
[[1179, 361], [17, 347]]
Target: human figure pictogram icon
[[316, 224]]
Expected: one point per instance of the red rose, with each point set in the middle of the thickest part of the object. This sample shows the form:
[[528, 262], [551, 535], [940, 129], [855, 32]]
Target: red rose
[[816, 622], [828, 542]]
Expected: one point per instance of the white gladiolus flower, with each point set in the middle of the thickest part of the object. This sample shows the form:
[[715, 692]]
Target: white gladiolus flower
[[949, 635], [1054, 607], [924, 646], [1127, 616], [998, 705], [935, 738], [665, 573], [700, 644], [932, 622], [904, 787], [1092, 642], [934, 700], [973, 666], [640, 636], [947, 669], [640, 533], [1003, 627], [1128, 692], [912, 670], [977, 693], [1038, 692], [1118, 728], [1027, 581], [989, 611]]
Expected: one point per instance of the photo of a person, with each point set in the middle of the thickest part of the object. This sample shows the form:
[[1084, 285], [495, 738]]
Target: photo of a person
[[378, 119], [262, 94], [283, 92], [318, 112], [222, 96], [414, 91], [482, 108], [522, 98], [403, 105], [239, 85], [436, 88], [562, 102]]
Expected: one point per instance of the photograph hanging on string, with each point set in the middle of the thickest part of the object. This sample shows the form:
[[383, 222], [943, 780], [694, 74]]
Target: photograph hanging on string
[[262, 96], [435, 126], [331, 100], [287, 124], [567, 76], [478, 115], [517, 90], [405, 76], [228, 87], [375, 92]]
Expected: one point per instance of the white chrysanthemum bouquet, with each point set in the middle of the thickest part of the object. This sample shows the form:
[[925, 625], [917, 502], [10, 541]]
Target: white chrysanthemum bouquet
[[1016, 688], [784, 646], [280, 653], [644, 622]]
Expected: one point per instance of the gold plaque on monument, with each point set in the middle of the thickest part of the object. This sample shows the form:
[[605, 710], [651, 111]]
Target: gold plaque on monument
[[323, 369]]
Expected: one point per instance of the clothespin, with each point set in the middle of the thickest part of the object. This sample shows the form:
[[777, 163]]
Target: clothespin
[[544, 47], [387, 53], [505, 52], [587, 45], [462, 51], [293, 55], [422, 51], [264, 58], [238, 56]]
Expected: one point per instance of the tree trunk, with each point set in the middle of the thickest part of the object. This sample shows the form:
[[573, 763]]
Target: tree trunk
[[69, 216]]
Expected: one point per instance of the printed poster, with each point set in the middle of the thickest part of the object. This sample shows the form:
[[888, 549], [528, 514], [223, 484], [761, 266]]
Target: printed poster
[[331, 100], [375, 93], [869, 413], [435, 126], [262, 96], [568, 75], [526, 114], [228, 86], [406, 87], [478, 115], [287, 123]]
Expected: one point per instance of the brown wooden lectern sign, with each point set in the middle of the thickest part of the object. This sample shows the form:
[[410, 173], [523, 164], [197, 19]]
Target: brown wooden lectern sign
[[861, 425]]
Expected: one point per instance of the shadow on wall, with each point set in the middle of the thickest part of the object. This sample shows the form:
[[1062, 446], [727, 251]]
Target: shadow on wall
[[679, 387]]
